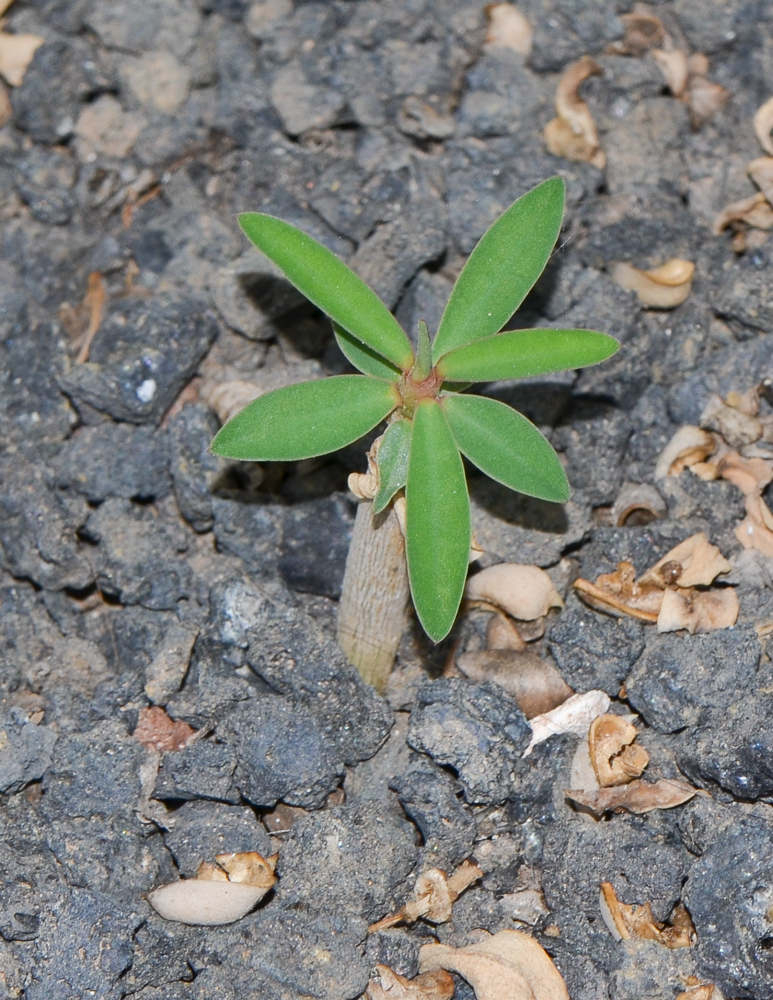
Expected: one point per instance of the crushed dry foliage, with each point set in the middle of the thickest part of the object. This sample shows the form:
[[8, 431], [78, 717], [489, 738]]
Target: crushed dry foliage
[[625, 922]]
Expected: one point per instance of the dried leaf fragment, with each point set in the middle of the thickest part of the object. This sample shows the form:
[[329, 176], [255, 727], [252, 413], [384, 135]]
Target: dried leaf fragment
[[693, 562], [620, 593], [573, 716], [636, 797], [389, 985], [573, 135], [535, 685], [761, 172], [156, 731], [625, 922], [750, 475], [643, 31], [698, 610], [433, 896], [763, 123], [755, 211], [508, 28], [663, 287], [16, 52], [509, 964], [672, 63], [616, 759], [229, 398], [638, 503], [249, 868], [524, 592], [735, 426], [688, 446], [501, 633]]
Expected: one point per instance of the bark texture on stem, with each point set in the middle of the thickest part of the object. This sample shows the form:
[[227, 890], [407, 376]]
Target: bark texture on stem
[[371, 613]]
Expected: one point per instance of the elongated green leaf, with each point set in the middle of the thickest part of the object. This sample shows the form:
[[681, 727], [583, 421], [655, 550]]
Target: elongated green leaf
[[437, 537], [506, 446], [363, 357], [307, 419], [329, 284], [522, 353], [502, 268], [392, 462]]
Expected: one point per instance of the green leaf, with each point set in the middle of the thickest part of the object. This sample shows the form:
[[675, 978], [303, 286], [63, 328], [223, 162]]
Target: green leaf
[[306, 419], [330, 285], [502, 268], [437, 535], [506, 446], [522, 353], [363, 357], [392, 462]]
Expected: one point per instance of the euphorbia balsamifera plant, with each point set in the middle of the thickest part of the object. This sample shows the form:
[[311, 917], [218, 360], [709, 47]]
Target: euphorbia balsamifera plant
[[433, 419]]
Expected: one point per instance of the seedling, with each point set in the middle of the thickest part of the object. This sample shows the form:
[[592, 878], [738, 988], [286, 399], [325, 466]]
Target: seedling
[[433, 420]]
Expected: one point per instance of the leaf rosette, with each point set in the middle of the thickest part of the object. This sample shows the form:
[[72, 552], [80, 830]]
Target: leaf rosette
[[433, 419]]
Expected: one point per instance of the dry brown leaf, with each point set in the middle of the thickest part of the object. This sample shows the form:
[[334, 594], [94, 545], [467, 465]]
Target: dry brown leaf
[[574, 716], [524, 592], [620, 592], [501, 633], [737, 428], [573, 134], [672, 63], [643, 31], [248, 868], [637, 797], [389, 985], [693, 562], [6, 111], [508, 965], [705, 97], [698, 610], [662, 287], [82, 322], [508, 29], [536, 685], [697, 990], [761, 172], [625, 922], [638, 503], [754, 211], [433, 896], [16, 52], [763, 123], [156, 731], [750, 475], [756, 529], [615, 758], [687, 447], [4, 5]]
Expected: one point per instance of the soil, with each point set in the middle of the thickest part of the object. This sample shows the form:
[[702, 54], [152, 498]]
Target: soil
[[136, 569]]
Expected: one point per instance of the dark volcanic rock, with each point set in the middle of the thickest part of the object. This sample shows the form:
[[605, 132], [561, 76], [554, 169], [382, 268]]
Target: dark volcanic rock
[[315, 542], [595, 442], [676, 680], [643, 861], [200, 830], [729, 897], [250, 530], [142, 356], [116, 460], [430, 797], [32, 408], [38, 526], [477, 730], [25, 753], [193, 466], [594, 651], [94, 773], [325, 854], [44, 181], [282, 752], [733, 748], [138, 560], [202, 771]]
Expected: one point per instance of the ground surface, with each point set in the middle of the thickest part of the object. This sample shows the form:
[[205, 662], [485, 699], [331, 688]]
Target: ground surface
[[134, 564]]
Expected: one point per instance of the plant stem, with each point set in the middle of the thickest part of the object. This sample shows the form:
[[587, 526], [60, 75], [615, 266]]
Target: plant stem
[[371, 613]]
